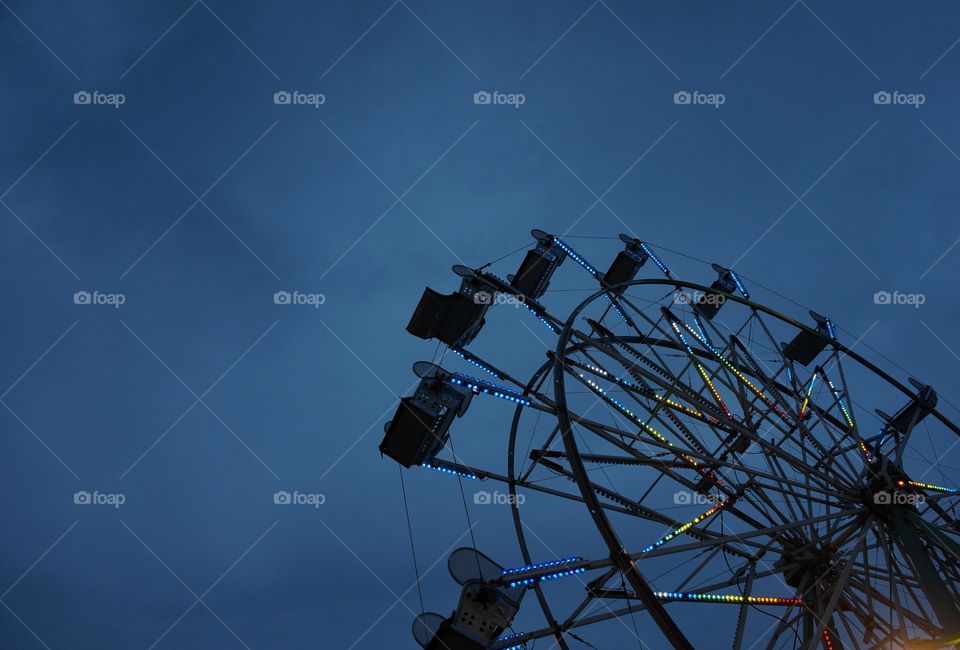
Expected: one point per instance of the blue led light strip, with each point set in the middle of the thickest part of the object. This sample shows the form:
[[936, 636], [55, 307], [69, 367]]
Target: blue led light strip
[[543, 578], [469, 358], [508, 637], [540, 565], [806, 400], [596, 388], [740, 287], [700, 369], [656, 260], [759, 393], [613, 303], [831, 329], [479, 386], [703, 334], [553, 328], [448, 470], [576, 257], [840, 402], [649, 392]]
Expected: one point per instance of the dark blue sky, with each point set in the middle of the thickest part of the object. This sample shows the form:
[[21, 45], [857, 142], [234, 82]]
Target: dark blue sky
[[198, 198]]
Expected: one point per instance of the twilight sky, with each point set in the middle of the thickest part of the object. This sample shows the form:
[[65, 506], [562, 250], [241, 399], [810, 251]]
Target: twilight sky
[[144, 161]]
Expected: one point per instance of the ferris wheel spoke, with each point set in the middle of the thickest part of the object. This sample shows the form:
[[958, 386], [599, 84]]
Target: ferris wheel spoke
[[630, 506], [614, 437], [659, 366], [762, 502], [610, 434], [831, 636], [774, 466], [861, 570], [744, 608], [894, 586], [728, 356], [785, 624], [665, 406], [826, 484], [837, 588], [742, 380], [706, 355], [585, 621], [930, 570], [822, 456], [591, 590], [669, 408], [763, 373], [912, 586], [747, 537], [544, 448], [599, 391], [785, 365], [872, 625], [797, 463], [704, 375], [665, 379], [892, 606], [938, 533], [608, 459], [797, 496], [850, 468]]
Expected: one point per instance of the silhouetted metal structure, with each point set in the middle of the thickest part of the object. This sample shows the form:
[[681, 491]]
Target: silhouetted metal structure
[[749, 417]]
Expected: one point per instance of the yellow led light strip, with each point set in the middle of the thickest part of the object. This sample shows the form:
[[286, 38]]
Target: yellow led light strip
[[759, 393], [596, 388]]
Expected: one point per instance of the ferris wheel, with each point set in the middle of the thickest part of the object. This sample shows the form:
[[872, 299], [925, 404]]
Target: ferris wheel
[[728, 456]]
